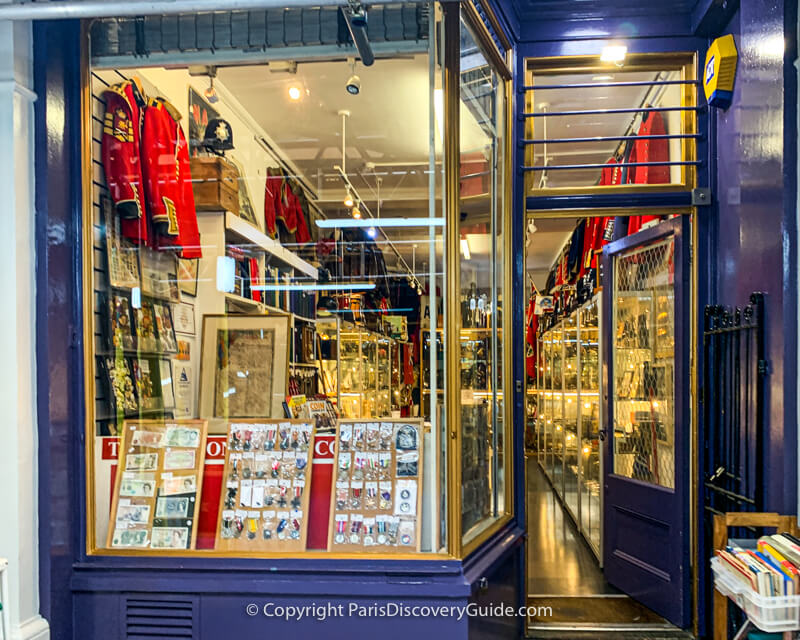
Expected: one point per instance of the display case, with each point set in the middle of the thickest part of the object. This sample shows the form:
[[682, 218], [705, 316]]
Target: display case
[[569, 422], [357, 368]]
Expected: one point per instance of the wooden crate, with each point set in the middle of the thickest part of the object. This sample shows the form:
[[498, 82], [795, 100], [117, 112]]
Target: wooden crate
[[215, 183]]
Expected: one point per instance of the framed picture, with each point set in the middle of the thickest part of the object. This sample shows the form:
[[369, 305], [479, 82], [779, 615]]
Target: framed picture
[[200, 114], [244, 366], [164, 325], [187, 276], [184, 386], [122, 396], [159, 274], [246, 210], [121, 254], [120, 315], [146, 336], [183, 318], [147, 380]]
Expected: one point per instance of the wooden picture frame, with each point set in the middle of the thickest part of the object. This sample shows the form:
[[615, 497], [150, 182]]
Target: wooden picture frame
[[158, 486], [401, 479], [259, 509], [244, 369]]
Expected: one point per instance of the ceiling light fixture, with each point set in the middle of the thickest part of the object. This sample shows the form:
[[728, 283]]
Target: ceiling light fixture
[[356, 213], [295, 93], [348, 199], [345, 223], [372, 232], [614, 53]]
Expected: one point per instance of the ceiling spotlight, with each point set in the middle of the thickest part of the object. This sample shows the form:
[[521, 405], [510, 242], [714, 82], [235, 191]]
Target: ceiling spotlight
[[348, 199], [353, 85], [356, 213], [372, 232], [295, 93]]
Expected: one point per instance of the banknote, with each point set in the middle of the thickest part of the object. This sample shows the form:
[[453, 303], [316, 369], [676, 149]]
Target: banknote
[[129, 538], [133, 513], [148, 439], [141, 462], [172, 508], [179, 484], [178, 436], [179, 459], [170, 537], [139, 486]]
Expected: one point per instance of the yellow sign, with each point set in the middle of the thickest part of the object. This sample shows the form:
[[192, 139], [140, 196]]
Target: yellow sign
[[720, 72]]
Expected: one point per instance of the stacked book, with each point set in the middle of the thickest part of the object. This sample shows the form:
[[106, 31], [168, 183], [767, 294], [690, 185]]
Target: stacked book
[[772, 569]]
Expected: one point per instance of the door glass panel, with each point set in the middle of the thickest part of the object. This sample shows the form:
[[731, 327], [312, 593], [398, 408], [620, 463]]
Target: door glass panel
[[590, 422], [571, 413], [557, 459], [644, 364]]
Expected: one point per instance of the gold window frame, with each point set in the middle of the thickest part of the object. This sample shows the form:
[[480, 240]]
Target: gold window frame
[[684, 62]]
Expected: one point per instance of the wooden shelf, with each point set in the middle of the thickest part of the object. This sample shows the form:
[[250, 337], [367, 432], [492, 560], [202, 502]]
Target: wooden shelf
[[249, 234]]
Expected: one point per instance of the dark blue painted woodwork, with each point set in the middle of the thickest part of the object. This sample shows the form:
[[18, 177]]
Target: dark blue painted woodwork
[[755, 229], [646, 527], [58, 326]]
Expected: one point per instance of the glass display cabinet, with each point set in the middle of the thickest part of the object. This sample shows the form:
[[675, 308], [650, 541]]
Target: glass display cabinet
[[357, 368], [569, 424]]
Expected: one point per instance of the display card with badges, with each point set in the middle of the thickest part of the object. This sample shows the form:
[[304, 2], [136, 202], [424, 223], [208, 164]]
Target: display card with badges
[[157, 491], [266, 486], [377, 489]]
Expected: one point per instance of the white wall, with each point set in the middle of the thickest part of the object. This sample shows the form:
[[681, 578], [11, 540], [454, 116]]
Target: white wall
[[18, 453]]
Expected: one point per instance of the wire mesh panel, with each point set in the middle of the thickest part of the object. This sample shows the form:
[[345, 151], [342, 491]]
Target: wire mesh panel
[[643, 391]]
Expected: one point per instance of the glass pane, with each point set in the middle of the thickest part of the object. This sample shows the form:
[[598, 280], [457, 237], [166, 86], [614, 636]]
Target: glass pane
[[609, 125], [571, 367], [590, 453], [644, 364], [482, 148], [243, 314]]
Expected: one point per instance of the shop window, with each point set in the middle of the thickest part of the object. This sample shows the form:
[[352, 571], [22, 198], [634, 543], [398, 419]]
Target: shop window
[[484, 294], [265, 302], [626, 125]]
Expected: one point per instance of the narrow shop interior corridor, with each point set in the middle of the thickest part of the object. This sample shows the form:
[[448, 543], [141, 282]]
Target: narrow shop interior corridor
[[564, 574]]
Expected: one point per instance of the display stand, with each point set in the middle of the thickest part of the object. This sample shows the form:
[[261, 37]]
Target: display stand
[[376, 495], [157, 492], [721, 593], [266, 486]]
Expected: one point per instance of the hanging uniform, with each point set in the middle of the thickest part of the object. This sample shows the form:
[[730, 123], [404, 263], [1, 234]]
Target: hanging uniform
[[168, 181], [649, 151], [272, 201], [121, 144], [603, 230]]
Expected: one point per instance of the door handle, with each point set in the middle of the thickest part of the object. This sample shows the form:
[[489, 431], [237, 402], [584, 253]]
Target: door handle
[[602, 433]]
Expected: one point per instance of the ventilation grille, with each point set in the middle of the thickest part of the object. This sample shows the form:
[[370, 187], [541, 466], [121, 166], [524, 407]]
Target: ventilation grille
[[147, 619]]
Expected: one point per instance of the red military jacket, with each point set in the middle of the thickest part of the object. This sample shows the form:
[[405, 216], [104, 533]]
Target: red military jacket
[[599, 230], [121, 144], [272, 201], [646, 150], [531, 330], [168, 180]]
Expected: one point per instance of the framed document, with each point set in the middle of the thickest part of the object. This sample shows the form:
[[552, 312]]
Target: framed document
[[244, 366], [187, 276], [183, 318], [159, 274]]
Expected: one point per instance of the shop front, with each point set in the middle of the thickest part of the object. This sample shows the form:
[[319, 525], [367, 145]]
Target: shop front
[[288, 297]]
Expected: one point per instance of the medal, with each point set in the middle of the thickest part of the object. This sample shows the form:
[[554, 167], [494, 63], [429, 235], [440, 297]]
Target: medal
[[355, 501], [405, 539], [276, 467], [405, 494], [281, 526], [269, 443], [298, 491], [405, 507], [282, 498], [252, 527], [248, 436], [230, 500], [339, 538]]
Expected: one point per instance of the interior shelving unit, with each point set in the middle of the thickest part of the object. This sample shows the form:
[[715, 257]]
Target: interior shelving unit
[[569, 416]]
